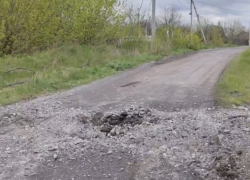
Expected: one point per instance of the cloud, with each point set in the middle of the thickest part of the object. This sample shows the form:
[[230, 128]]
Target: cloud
[[229, 9]]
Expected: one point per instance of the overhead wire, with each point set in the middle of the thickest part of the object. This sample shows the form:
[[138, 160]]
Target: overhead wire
[[202, 10], [222, 7], [182, 4]]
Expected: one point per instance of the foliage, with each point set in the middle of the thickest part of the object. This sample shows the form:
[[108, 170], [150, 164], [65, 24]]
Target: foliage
[[216, 37], [69, 66], [179, 39], [26, 26]]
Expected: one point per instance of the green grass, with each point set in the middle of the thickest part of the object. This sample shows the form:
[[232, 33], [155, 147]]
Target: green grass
[[69, 66], [234, 86]]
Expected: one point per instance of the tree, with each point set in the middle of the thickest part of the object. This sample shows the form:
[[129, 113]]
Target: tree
[[171, 18], [233, 29], [26, 26]]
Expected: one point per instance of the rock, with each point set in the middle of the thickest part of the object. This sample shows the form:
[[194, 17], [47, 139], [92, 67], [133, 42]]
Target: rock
[[122, 169], [214, 140], [97, 119], [238, 116], [118, 130], [115, 122], [246, 129], [131, 108], [239, 152], [243, 108], [55, 157], [78, 141], [115, 117], [113, 132], [83, 120], [124, 114], [220, 136], [226, 131], [110, 152], [153, 120], [105, 119], [6, 116], [106, 129], [52, 148]]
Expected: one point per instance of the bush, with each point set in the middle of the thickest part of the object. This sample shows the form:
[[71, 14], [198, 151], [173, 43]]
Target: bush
[[195, 43], [216, 37], [27, 26]]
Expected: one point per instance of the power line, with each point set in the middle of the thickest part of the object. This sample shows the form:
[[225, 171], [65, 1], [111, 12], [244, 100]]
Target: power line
[[223, 7], [214, 12], [182, 4], [201, 9]]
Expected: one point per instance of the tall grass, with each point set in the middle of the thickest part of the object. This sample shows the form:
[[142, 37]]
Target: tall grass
[[69, 66], [234, 86]]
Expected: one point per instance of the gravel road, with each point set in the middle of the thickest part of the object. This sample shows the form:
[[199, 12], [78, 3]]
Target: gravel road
[[155, 122]]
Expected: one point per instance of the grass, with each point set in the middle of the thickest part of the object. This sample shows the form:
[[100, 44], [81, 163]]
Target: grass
[[69, 66], [234, 86]]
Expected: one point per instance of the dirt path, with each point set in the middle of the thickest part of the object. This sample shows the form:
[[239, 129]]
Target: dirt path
[[183, 83], [59, 137]]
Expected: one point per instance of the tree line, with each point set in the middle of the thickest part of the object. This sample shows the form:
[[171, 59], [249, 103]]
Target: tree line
[[27, 26]]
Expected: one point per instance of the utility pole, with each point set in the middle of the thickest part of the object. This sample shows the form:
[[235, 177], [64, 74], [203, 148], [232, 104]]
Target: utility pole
[[198, 18], [139, 23], [249, 36], [153, 24], [191, 14]]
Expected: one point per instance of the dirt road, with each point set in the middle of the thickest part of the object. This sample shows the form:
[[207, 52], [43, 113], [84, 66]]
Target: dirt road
[[59, 136], [183, 83]]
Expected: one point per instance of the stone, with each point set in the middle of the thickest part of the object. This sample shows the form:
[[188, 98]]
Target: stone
[[122, 169], [96, 120], [113, 132], [115, 122], [214, 140], [124, 114], [83, 120], [115, 117], [118, 130], [109, 152], [106, 129], [246, 129], [78, 141], [52, 148], [55, 156]]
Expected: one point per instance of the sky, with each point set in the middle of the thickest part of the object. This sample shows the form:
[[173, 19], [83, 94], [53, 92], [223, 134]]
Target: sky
[[228, 9]]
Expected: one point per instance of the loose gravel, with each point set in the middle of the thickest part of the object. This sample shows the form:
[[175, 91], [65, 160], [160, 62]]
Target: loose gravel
[[40, 142]]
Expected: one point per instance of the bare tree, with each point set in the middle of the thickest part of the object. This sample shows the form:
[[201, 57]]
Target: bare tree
[[171, 18], [233, 27], [235, 32]]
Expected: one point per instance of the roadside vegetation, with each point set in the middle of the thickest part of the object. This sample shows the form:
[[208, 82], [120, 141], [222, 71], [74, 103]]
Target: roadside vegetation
[[47, 46], [234, 86]]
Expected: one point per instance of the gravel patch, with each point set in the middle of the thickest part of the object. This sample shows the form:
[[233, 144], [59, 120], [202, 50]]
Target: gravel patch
[[138, 143]]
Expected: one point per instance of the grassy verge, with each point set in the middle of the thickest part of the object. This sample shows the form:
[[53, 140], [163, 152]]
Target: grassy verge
[[67, 67], [234, 86]]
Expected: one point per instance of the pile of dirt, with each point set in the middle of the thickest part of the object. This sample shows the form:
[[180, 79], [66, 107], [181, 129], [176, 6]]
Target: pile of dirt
[[114, 123]]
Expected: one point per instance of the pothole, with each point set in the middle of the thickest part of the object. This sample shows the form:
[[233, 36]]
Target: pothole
[[131, 84]]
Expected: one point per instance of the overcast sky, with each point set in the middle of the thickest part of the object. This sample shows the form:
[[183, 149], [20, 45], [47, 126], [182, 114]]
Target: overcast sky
[[230, 9]]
